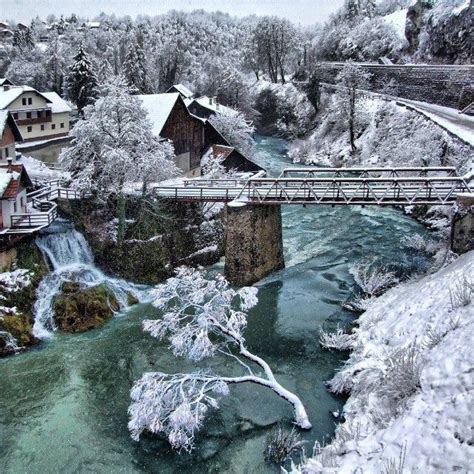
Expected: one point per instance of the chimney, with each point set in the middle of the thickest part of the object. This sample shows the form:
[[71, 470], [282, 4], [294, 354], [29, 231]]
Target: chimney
[[9, 161], [210, 100]]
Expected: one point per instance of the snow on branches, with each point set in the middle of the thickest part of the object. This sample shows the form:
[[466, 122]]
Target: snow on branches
[[201, 318]]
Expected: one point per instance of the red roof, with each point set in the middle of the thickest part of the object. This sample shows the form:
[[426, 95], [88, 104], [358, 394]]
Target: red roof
[[14, 186]]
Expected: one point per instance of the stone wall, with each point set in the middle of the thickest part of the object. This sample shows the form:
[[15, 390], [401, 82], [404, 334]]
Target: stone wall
[[450, 86], [254, 245]]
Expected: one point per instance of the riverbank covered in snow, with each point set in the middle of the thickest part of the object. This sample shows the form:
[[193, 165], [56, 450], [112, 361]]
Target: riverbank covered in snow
[[411, 379]]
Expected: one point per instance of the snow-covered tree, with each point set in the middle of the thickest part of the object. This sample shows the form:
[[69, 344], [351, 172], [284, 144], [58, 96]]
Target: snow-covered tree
[[201, 318], [236, 129], [82, 81], [134, 67], [114, 147], [350, 79]]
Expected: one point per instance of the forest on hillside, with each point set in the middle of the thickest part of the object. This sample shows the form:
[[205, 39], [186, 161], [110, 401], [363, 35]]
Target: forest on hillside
[[219, 55]]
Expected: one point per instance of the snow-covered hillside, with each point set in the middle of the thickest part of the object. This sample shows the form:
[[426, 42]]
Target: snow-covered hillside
[[387, 135], [411, 378]]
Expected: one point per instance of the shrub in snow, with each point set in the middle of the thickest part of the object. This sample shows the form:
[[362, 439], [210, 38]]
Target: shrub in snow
[[201, 318], [402, 375], [281, 445], [373, 279], [460, 294], [338, 340]]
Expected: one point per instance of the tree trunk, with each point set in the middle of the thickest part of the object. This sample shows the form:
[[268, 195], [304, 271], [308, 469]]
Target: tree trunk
[[121, 228], [352, 121]]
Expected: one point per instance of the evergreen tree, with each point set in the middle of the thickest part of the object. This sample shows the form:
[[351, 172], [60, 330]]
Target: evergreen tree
[[82, 81], [55, 64], [134, 67]]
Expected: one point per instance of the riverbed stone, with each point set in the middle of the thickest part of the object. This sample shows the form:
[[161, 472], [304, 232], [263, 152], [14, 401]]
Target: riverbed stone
[[254, 244], [80, 309], [462, 234]]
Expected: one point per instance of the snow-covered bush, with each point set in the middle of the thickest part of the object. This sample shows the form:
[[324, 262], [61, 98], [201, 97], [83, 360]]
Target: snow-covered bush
[[338, 340], [281, 445], [201, 318], [373, 279], [402, 375], [461, 293]]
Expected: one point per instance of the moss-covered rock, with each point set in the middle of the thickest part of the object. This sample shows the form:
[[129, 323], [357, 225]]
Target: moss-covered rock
[[80, 309], [18, 323]]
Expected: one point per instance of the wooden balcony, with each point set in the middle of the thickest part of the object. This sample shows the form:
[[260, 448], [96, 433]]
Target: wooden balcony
[[33, 121]]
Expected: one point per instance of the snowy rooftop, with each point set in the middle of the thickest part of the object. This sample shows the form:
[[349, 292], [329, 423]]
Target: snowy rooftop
[[58, 105], [159, 107], [3, 121], [183, 90], [8, 96], [212, 104]]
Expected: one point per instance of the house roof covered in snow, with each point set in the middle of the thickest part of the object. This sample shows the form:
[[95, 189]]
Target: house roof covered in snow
[[159, 108], [211, 104], [5, 82], [6, 119], [11, 177], [58, 104], [183, 90], [8, 96]]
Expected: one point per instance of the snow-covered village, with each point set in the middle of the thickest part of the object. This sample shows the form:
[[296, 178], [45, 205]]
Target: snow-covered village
[[236, 236]]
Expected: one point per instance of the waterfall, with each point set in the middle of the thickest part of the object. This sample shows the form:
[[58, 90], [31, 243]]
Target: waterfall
[[71, 260]]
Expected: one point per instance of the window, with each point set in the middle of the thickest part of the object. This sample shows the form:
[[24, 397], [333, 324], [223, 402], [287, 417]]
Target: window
[[22, 202], [62, 125], [48, 113], [29, 128], [39, 113], [30, 100], [28, 114], [7, 152], [42, 127], [23, 101], [53, 126], [14, 207], [15, 115]]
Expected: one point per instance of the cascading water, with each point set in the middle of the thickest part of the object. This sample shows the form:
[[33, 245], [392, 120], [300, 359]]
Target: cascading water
[[71, 260]]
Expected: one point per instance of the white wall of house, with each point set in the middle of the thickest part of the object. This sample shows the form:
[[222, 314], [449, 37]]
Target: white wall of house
[[14, 206], [58, 126], [7, 152]]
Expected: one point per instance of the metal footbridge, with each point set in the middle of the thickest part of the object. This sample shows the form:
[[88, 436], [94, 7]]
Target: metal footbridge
[[403, 186]]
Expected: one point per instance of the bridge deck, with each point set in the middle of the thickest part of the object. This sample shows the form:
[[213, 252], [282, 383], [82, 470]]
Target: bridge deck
[[334, 190]]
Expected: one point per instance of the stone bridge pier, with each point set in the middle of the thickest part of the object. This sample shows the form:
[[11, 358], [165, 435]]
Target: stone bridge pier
[[462, 232], [254, 243]]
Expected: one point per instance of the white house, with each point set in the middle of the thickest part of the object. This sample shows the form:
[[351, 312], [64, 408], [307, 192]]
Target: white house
[[9, 134], [14, 181], [39, 115]]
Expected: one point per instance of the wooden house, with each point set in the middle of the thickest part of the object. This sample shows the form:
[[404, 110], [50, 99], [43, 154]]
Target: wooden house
[[231, 158], [171, 120], [14, 181], [9, 134]]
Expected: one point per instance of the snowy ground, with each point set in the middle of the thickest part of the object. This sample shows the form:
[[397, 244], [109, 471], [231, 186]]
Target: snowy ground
[[411, 378]]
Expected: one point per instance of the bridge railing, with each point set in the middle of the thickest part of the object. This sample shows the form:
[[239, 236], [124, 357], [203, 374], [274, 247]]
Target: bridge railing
[[374, 172], [380, 191]]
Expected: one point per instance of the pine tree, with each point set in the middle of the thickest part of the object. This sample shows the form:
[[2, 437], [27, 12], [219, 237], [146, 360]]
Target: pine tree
[[134, 67], [82, 81]]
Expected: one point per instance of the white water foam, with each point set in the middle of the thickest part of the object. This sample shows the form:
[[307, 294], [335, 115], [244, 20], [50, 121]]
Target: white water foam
[[71, 259]]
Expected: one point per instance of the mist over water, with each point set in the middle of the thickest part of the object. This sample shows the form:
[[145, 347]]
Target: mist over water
[[64, 405]]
